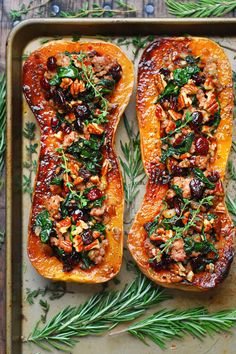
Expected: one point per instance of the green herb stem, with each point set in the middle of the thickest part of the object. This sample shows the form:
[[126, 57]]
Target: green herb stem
[[98, 11], [132, 166], [201, 8]]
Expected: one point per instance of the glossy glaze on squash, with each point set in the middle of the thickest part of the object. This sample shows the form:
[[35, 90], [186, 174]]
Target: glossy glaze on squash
[[155, 242], [38, 73]]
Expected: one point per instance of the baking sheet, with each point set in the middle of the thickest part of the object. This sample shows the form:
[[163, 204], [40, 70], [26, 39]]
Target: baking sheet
[[222, 297]]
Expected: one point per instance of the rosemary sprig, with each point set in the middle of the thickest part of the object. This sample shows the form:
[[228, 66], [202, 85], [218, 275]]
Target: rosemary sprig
[[166, 325], [30, 164], [137, 42], [201, 8], [99, 314], [133, 172], [98, 11], [2, 120], [45, 307], [55, 291], [231, 170], [231, 206], [25, 9]]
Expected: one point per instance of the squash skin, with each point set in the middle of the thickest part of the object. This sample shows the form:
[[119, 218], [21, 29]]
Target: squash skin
[[151, 62], [40, 254]]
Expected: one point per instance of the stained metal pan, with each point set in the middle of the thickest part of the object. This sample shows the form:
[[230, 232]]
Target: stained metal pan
[[18, 39]]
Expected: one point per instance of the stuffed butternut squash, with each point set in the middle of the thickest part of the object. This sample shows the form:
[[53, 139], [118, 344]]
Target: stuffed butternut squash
[[182, 236], [77, 92]]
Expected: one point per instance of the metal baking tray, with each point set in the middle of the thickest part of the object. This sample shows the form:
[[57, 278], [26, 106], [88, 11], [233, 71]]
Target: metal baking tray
[[20, 275]]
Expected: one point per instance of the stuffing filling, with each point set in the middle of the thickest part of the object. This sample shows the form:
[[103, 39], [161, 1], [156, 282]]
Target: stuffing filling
[[184, 237], [73, 220]]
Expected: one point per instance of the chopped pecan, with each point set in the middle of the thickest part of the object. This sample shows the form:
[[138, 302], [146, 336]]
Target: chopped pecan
[[65, 82], [77, 87], [174, 115], [94, 128], [78, 243], [66, 246]]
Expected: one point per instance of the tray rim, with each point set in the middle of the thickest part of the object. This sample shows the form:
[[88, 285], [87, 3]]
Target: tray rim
[[9, 174]]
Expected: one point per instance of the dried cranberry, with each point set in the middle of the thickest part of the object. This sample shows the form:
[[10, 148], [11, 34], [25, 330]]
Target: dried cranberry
[[177, 205], [79, 125], [54, 122], [201, 145], [45, 84], [59, 97], [92, 53], [197, 188], [198, 79], [86, 215], [174, 103], [160, 176], [52, 63], [77, 215], [115, 72], [67, 129], [163, 264], [87, 237], [197, 119], [94, 194], [178, 140], [82, 111], [49, 94], [164, 71], [213, 176], [198, 264], [83, 172], [179, 171]]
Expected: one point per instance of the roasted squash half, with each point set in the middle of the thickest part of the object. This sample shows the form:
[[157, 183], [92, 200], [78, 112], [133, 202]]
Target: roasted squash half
[[77, 92], [182, 236]]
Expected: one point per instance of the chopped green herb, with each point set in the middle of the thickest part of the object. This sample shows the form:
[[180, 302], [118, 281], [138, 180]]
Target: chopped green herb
[[43, 221]]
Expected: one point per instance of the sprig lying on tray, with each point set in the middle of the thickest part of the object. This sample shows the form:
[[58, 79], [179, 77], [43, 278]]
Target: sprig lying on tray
[[30, 164], [201, 8], [98, 11], [133, 172], [100, 313], [105, 310], [166, 325]]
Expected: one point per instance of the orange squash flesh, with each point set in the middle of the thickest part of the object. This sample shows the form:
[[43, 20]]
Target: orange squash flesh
[[40, 254], [154, 58]]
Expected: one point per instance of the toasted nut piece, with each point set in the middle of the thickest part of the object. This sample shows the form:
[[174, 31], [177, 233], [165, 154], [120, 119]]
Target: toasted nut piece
[[96, 234], [105, 167], [95, 128], [78, 243], [190, 276], [169, 213], [174, 115], [210, 267], [78, 180], [77, 87], [64, 224], [94, 179], [66, 245], [94, 245], [65, 82]]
